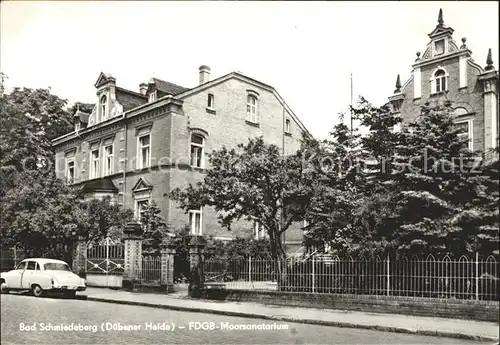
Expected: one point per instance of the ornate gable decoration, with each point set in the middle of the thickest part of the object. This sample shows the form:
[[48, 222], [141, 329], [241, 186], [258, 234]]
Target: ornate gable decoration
[[440, 29], [103, 78], [441, 43], [142, 185]]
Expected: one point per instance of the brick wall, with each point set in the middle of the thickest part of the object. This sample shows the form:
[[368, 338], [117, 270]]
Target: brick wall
[[447, 308], [470, 97]]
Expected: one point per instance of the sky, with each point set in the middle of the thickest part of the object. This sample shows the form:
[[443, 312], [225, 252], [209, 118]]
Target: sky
[[306, 50]]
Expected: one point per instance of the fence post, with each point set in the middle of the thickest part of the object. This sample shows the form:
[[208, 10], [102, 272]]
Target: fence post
[[250, 269], [79, 264], [196, 262], [132, 238], [167, 264], [313, 264], [388, 276], [477, 276]]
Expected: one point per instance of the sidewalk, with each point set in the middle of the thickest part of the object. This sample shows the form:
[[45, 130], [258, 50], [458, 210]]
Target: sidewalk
[[453, 328]]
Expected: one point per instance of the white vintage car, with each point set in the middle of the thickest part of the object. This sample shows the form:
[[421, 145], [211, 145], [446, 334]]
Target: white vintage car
[[42, 276]]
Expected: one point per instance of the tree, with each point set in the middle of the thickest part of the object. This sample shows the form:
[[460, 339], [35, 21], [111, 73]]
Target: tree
[[97, 219], [254, 182], [439, 186], [381, 141], [338, 181], [38, 211], [155, 229], [50, 111]]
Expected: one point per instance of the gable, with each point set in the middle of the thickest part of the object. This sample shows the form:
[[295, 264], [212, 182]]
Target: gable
[[103, 78], [141, 185]]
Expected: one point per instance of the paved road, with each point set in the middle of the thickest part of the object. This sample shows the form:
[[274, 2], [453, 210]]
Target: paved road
[[40, 312]]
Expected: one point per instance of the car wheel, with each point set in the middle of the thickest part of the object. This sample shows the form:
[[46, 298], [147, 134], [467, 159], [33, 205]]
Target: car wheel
[[4, 288], [37, 290]]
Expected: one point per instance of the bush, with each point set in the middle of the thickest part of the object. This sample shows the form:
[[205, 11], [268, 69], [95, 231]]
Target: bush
[[231, 256]]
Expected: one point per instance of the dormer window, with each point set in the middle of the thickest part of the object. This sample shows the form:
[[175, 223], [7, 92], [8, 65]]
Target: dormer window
[[104, 107], [152, 96], [439, 47]]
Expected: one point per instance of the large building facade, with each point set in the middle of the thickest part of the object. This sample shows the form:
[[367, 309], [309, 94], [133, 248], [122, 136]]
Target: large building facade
[[447, 72], [137, 146]]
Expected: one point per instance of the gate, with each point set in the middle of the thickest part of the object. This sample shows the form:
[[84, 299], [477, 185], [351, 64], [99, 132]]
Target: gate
[[104, 266]]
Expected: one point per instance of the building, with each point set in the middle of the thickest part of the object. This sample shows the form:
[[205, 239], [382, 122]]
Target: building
[[136, 146], [446, 71]]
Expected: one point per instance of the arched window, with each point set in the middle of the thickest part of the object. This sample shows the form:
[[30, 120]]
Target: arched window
[[104, 103], [440, 80], [197, 145], [460, 112], [252, 109]]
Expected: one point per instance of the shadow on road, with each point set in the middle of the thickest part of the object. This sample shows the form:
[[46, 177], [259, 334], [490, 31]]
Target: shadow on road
[[52, 296]]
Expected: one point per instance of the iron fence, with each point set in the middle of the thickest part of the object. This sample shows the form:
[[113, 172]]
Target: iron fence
[[461, 278], [150, 271], [105, 259]]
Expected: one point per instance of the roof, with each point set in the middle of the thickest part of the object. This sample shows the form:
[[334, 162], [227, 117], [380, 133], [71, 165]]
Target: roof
[[46, 260], [167, 87], [129, 99], [101, 185]]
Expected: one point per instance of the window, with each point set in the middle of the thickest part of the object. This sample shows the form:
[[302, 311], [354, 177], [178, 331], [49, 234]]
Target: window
[[195, 222], [152, 96], [140, 206], [440, 78], [197, 143], [21, 266], [211, 101], [70, 170], [31, 265], [56, 266], [94, 164], [252, 109], [287, 126], [108, 160], [144, 157], [259, 231], [439, 47], [466, 131], [104, 103]]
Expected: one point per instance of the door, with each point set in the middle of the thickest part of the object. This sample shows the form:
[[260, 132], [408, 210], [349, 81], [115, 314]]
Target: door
[[28, 275], [14, 280]]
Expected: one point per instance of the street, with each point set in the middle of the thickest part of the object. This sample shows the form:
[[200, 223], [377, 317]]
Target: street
[[35, 315]]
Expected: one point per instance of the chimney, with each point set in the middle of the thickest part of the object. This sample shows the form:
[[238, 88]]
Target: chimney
[[143, 88], [204, 74]]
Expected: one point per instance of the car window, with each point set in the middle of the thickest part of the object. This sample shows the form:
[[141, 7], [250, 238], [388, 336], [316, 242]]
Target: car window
[[31, 265], [55, 266], [37, 266], [21, 266]]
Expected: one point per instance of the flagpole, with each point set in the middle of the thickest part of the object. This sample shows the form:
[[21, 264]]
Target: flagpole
[[352, 122]]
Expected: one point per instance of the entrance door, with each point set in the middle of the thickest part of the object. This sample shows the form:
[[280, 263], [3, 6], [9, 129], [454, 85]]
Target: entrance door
[[28, 275], [15, 281]]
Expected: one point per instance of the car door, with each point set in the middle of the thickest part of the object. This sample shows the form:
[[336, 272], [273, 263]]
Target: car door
[[28, 275], [15, 276]]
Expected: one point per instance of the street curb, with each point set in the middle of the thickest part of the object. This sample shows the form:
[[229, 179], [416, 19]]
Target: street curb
[[298, 320]]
